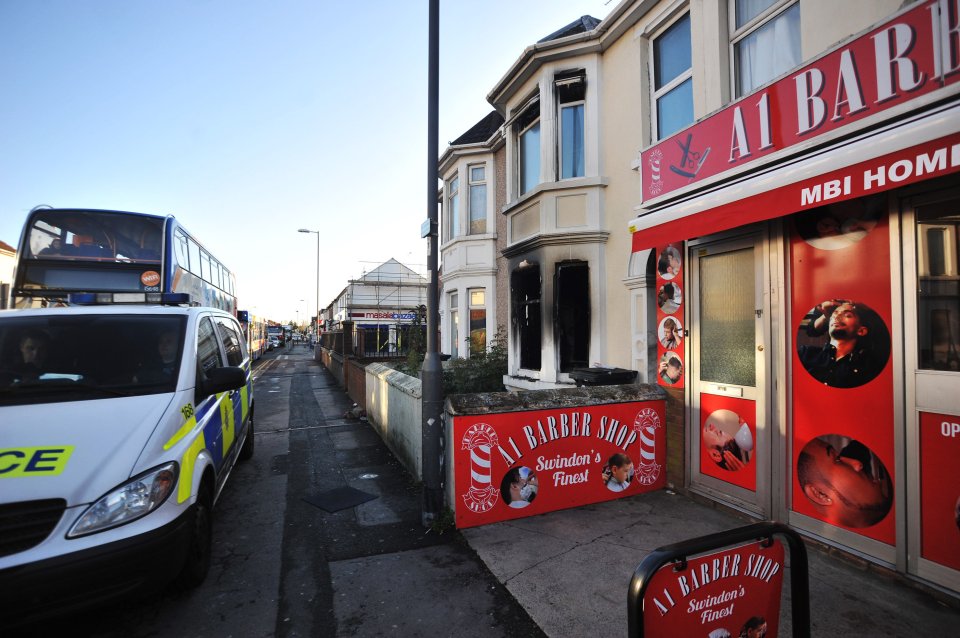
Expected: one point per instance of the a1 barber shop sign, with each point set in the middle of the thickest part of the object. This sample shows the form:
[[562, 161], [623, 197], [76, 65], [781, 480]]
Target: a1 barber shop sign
[[735, 592]]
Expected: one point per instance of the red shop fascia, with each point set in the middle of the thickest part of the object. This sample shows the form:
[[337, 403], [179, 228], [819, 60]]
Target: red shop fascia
[[876, 114]]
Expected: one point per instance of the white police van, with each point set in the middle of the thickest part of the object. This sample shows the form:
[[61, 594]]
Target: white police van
[[119, 425]]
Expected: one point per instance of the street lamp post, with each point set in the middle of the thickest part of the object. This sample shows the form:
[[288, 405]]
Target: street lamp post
[[316, 332], [431, 373]]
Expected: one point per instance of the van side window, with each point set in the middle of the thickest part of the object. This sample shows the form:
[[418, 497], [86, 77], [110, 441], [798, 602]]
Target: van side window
[[231, 342], [208, 353]]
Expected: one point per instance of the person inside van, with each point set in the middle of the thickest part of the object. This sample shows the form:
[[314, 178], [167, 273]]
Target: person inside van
[[162, 367], [33, 348]]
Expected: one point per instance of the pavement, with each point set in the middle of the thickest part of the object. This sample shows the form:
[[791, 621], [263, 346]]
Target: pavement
[[559, 574]]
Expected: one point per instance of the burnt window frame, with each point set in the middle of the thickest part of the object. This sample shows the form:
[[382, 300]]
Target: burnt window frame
[[571, 314], [526, 293]]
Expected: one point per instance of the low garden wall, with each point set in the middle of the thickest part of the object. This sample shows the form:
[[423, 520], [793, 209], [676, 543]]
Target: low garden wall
[[393, 407]]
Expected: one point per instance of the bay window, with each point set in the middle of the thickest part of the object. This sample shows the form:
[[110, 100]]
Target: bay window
[[478, 199]]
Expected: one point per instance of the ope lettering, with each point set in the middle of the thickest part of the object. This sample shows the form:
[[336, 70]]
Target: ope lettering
[[950, 429]]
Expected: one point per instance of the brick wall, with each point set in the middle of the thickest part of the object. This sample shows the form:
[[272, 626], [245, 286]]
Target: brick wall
[[676, 438]]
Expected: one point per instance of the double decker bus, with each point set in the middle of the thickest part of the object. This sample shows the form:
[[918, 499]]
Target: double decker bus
[[126, 256]]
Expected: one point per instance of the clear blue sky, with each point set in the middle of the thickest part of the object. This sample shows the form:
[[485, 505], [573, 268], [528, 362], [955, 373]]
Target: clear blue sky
[[249, 119]]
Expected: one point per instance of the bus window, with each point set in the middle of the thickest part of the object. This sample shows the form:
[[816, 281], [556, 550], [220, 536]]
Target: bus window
[[205, 266], [180, 248], [194, 258], [95, 236]]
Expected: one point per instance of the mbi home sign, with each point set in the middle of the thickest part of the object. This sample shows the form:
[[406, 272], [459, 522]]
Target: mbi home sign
[[911, 55]]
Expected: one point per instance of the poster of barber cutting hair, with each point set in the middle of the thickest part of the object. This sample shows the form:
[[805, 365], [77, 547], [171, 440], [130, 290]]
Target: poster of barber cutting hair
[[671, 365], [842, 399]]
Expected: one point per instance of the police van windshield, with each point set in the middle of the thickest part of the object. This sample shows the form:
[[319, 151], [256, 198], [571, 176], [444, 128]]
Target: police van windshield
[[54, 358]]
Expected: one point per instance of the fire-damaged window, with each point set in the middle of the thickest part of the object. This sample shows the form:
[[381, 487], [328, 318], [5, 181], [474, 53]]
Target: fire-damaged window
[[525, 290], [572, 314]]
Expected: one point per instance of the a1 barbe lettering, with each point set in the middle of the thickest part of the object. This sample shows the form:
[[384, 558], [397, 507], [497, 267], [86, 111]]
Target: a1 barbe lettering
[[574, 424], [729, 566]]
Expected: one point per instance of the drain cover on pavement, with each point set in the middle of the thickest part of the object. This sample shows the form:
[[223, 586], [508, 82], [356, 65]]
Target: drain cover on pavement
[[339, 499]]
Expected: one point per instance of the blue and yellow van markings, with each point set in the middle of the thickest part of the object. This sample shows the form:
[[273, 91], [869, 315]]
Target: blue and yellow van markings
[[227, 421], [34, 461], [186, 473], [188, 425]]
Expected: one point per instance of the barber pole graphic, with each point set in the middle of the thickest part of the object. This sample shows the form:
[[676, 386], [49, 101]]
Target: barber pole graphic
[[648, 470], [654, 161], [480, 439]]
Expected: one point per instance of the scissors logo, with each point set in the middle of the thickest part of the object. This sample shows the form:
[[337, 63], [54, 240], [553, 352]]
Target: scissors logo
[[691, 161]]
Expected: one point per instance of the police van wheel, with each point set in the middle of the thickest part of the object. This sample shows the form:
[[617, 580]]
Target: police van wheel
[[246, 452], [197, 564]]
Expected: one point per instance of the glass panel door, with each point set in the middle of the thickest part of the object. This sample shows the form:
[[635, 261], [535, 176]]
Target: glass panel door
[[730, 442], [931, 259]]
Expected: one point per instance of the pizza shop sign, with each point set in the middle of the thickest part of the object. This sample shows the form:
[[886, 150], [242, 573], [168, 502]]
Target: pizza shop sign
[[909, 56]]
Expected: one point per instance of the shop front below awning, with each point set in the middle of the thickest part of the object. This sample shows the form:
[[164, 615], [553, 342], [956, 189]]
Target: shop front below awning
[[918, 149]]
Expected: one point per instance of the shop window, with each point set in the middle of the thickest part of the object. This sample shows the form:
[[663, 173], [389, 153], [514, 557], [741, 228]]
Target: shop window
[[571, 91], [527, 126], [572, 314], [453, 208], [938, 286], [766, 41], [673, 78], [478, 321], [454, 325], [478, 199], [525, 291]]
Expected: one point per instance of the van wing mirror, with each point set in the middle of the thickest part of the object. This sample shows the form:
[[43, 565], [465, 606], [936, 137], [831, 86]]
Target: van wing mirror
[[220, 380]]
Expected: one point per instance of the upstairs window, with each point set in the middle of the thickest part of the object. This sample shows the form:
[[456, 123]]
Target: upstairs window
[[673, 78], [525, 291], [478, 199], [571, 92], [766, 41], [527, 126], [572, 314], [453, 208]]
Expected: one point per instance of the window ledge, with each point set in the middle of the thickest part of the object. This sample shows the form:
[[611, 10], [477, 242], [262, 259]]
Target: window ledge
[[480, 237], [548, 187]]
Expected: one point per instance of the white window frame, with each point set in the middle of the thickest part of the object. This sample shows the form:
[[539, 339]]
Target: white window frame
[[579, 78], [521, 113], [470, 186], [453, 302], [472, 306], [737, 35], [453, 212], [656, 94]]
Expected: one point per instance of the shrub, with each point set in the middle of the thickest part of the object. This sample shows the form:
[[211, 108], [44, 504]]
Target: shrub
[[482, 372]]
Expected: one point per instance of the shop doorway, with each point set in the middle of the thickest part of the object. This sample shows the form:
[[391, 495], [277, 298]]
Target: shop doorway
[[931, 301], [731, 433]]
